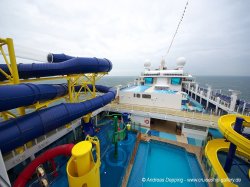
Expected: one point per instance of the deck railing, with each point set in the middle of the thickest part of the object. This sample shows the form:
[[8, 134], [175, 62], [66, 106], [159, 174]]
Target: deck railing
[[159, 110]]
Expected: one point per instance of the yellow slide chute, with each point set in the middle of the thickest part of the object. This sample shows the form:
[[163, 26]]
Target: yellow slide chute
[[225, 126], [226, 123]]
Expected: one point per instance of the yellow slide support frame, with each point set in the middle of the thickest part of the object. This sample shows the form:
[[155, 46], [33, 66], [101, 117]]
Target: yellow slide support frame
[[13, 78], [72, 80], [243, 145]]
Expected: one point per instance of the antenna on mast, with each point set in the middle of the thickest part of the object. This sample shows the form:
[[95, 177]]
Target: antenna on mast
[[176, 31]]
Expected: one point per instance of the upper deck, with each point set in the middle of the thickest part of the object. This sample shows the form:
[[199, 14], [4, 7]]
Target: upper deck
[[160, 87]]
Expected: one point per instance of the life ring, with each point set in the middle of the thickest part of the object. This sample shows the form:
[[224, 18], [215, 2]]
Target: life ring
[[146, 121]]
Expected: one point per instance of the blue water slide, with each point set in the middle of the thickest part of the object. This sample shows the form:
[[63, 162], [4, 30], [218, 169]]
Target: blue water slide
[[14, 96], [55, 58], [77, 65], [18, 131]]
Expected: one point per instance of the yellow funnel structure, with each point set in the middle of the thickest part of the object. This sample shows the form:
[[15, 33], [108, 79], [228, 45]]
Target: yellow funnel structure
[[82, 170]]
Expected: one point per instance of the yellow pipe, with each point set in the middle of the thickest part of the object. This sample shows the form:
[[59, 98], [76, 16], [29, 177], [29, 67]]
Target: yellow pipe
[[70, 90], [95, 141], [6, 60], [8, 113], [21, 111], [86, 76], [2, 40], [4, 115], [93, 85], [82, 154], [19, 150], [15, 75], [87, 117], [6, 75], [89, 90], [75, 79], [100, 75], [12, 56], [78, 93], [39, 105], [81, 169]]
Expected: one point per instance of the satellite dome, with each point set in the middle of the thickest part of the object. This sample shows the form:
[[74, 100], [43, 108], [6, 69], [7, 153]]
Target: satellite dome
[[147, 63], [181, 61]]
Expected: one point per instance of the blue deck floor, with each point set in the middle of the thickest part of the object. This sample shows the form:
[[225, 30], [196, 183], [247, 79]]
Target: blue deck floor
[[113, 170]]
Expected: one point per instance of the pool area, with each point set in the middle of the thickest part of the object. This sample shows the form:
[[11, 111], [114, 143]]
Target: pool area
[[137, 89], [195, 142], [143, 130], [196, 104], [162, 164], [165, 91], [192, 105], [173, 137], [149, 89], [163, 135]]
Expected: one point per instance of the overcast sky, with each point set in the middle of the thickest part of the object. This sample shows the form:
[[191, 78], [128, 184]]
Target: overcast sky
[[214, 36]]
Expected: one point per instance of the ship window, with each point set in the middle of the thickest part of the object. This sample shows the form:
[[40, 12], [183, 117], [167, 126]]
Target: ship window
[[175, 81], [151, 74], [148, 80], [146, 96], [138, 95], [161, 88]]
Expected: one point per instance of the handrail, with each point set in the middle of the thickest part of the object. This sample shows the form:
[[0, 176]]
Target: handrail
[[186, 114]]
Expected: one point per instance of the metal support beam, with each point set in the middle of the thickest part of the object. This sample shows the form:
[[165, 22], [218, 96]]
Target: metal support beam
[[232, 147], [12, 57]]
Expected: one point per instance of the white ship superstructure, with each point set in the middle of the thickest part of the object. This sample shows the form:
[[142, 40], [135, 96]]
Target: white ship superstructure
[[172, 95], [158, 87]]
